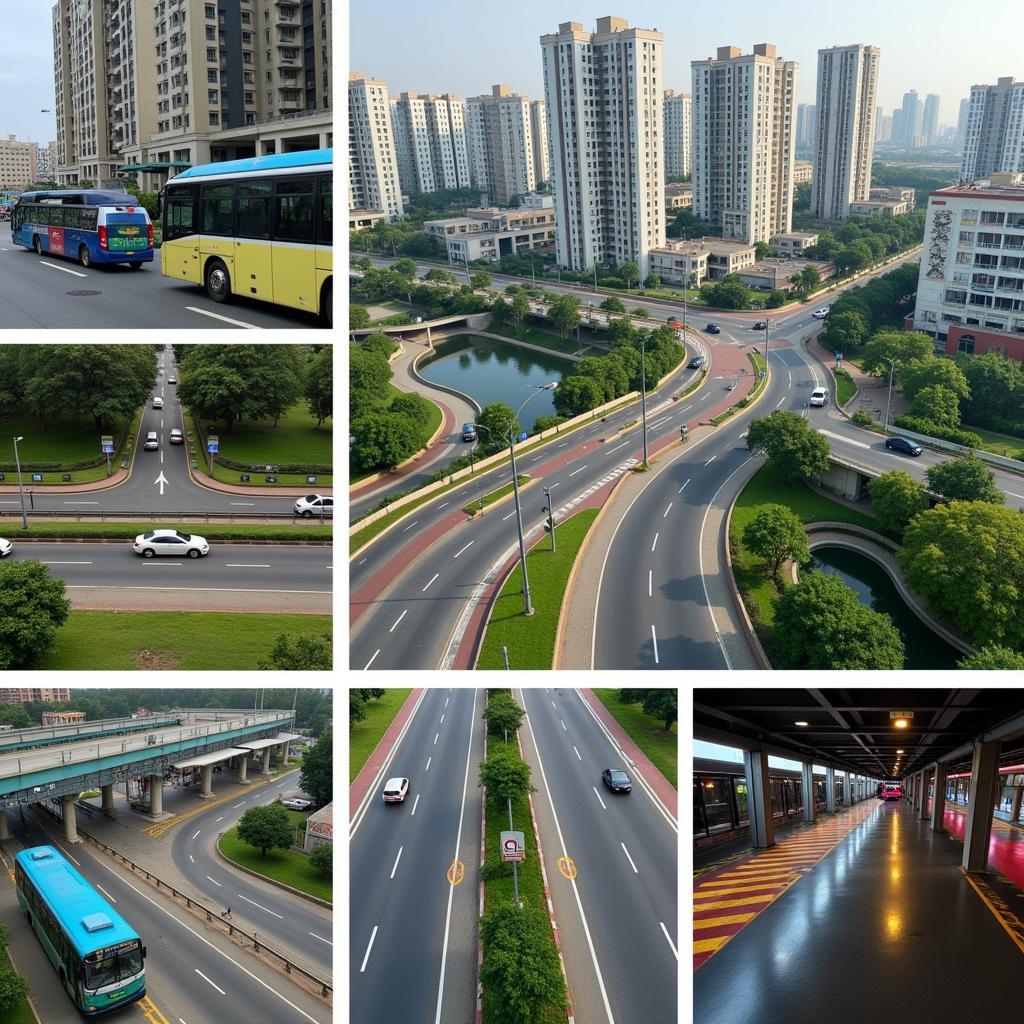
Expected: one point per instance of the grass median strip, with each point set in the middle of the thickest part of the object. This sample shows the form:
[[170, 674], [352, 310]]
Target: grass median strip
[[845, 387], [531, 641], [489, 499], [759, 364], [364, 735], [286, 866], [649, 734], [128, 531]]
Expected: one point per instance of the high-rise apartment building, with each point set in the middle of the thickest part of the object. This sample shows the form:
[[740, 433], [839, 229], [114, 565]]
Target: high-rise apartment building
[[961, 123], [678, 116], [539, 141], [47, 169], [431, 143], [19, 163], [744, 109], [930, 119], [994, 136], [805, 121], [910, 118], [844, 137], [46, 695], [162, 84], [603, 91], [372, 163], [500, 142]]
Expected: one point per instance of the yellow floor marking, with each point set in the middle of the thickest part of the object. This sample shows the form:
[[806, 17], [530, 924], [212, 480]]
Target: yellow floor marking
[[153, 1015], [717, 922], [710, 945], [1011, 924], [744, 901]]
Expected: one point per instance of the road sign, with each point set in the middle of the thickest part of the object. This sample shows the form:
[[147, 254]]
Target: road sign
[[212, 443], [513, 846], [523, 435], [107, 444], [839, 357], [37, 478], [310, 479]]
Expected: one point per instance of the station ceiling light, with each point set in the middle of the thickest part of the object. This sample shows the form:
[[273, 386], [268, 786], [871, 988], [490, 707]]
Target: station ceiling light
[[901, 719], [800, 723]]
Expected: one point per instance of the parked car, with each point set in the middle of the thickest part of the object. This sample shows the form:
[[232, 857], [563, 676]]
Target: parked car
[[759, 326], [712, 328], [820, 314], [395, 791], [696, 363], [177, 436], [158, 402], [616, 780], [296, 803], [819, 396], [6, 547], [170, 542], [903, 444], [314, 505], [468, 431], [891, 791], [152, 442]]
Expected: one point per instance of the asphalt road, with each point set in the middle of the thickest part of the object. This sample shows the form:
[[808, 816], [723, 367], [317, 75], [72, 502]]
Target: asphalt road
[[193, 976], [54, 292], [413, 937], [617, 920], [289, 922]]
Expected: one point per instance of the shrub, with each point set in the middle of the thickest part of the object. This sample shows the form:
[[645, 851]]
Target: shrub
[[955, 435], [862, 418]]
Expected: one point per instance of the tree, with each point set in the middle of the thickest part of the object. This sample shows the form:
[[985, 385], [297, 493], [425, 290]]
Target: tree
[[321, 859], [934, 372], [357, 701], [32, 608], [761, 250], [788, 441], [936, 404], [505, 775], [382, 440], [652, 281], [729, 293], [440, 276], [821, 624], [629, 272], [521, 973], [316, 776], [320, 385], [480, 280], [902, 347], [578, 394], [996, 391], [358, 317], [13, 988], [965, 478], [301, 653], [775, 534], [266, 828], [661, 703], [502, 714], [405, 267], [520, 307], [844, 330], [807, 279], [993, 657], [776, 297], [15, 716], [966, 559], [498, 421], [564, 312], [896, 497], [613, 304]]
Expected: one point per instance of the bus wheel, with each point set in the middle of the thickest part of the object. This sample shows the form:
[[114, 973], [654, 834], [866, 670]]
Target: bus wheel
[[135, 266], [218, 282], [83, 256], [37, 244], [327, 304]]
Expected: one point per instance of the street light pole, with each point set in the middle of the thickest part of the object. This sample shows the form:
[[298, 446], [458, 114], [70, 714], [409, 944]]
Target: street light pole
[[766, 345], [888, 401], [21, 488], [643, 389]]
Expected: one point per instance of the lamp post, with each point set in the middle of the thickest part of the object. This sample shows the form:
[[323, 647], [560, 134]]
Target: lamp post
[[643, 389], [766, 322], [888, 401], [21, 488]]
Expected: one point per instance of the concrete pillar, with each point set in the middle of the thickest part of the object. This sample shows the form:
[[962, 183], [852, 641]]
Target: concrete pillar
[[5, 832], [70, 824], [830, 791], [207, 793], [984, 787], [1015, 805], [939, 798], [156, 795], [808, 791], [759, 799], [266, 760], [243, 767], [107, 792], [926, 778], [284, 752], [848, 790]]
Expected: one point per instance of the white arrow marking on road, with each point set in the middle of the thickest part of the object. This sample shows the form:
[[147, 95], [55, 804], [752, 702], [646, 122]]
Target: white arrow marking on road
[[161, 480]]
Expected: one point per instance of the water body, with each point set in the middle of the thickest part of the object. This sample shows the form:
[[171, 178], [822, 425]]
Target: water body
[[924, 649], [494, 371]]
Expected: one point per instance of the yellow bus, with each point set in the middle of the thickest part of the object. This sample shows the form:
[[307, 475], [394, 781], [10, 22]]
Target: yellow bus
[[259, 228]]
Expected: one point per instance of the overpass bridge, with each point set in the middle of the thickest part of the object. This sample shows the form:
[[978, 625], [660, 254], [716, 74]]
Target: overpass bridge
[[108, 752]]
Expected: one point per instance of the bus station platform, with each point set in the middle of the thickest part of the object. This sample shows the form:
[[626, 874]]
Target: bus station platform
[[905, 909]]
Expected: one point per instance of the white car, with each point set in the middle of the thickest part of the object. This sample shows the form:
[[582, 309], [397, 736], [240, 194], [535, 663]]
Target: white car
[[820, 314], [295, 803], [395, 791], [819, 396], [170, 542], [314, 505], [6, 547]]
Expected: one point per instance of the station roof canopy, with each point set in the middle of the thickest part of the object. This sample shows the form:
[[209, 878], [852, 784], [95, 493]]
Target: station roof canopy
[[211, 758], [855, 729], [273, 741]]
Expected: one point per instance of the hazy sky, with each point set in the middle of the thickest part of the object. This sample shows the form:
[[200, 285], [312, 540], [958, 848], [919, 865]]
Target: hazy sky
[[26, 71], [464, 47]]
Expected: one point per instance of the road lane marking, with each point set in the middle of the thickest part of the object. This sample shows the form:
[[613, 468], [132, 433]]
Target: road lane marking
[[650, 580], [321, 938], [416, 802], [654, 637], [233, 806], [261, 907], [215, 882], [434, 577], [575, 471], [655, 544], [680, 491], [551, 487], [191, 858], [246, 565], [712, 459], [669, 938], [780, 401], [76, 502], [394, 867], [105, 893], [410, 526], [197, 832], [242, 503], [217, 316], [466, 548], [630, 859], [668, 508], [66, 563], [443, 503], [562, 445], [372, 660], [845, 440], [207, 980], [366, 956], [509, 516], [398, 620], [66, 270], [617, 447], [221, 818]]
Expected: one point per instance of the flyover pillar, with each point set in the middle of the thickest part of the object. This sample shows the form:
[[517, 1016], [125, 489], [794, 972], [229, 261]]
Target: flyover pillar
[[266, 761], [759, 799], [243, 768], [107, 793], [939, 798], [830, 790], [5, 832], [807, 771], [207, 793], [70, 824], [1015, 806], [156, 795], [284, 752], [984, 783]]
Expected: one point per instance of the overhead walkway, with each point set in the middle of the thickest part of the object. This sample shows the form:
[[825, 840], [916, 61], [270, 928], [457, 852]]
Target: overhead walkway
[[50, 735]]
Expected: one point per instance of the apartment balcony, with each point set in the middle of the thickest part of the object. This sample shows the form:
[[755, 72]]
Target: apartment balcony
[[287, 106]]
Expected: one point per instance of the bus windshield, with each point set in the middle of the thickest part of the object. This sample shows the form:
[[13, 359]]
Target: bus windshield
[[114, 968]]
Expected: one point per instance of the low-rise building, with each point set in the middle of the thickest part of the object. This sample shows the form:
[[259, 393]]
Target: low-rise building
[[319, 828], [726, 256], [792, 243], [679, 196], [879, 208], [900, 193], [767, 275], [490, 233], [63, 717], [803, 172], [970, 292], [360, 220], [678, 262]]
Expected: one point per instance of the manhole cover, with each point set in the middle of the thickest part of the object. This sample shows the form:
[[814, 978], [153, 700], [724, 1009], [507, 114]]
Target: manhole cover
[[84, 291]]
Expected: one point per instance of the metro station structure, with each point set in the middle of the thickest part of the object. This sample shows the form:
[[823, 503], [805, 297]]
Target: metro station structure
[[56, 764]]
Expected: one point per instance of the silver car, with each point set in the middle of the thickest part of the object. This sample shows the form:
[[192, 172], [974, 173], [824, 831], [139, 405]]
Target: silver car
[[170, 542], [6, 547]]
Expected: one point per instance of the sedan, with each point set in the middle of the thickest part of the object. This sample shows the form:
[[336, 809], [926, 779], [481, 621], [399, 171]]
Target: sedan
[[172, 379], [177, 436], [314, 505], [170, 542], [903, 444], [713, 329], [761, 325], [617, 781], [820, 314], [6, 547], [295, 803], [395, 791], [696, 363]]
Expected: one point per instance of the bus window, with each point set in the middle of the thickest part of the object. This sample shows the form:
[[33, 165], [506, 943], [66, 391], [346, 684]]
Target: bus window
[[254, 209], [217, 206], [178, 214], [325, 232], [294, 210]]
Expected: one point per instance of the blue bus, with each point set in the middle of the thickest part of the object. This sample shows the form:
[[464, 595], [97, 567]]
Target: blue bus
[[97, 955], [89, 225]]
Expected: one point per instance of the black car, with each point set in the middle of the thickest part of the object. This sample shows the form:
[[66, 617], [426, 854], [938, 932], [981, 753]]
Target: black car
[[903, 444], [617, 781], [696, 362], [713, 329], [759, 326]]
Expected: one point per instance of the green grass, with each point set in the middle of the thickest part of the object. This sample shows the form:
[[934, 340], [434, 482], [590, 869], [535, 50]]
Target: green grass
[[758, 362], [649, 734], [295, 440], [531, 641], [542, 338], [845, 387], [364, 736], [285, 866], [999, 444], [175, 640], [489, 499], [297, 529]]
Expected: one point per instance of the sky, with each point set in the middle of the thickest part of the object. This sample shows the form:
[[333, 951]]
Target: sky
[[464, 47], [26, 70]]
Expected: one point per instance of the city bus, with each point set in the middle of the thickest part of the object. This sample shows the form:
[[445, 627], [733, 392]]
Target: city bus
[[97, 955], [259, 228], [90, 225]]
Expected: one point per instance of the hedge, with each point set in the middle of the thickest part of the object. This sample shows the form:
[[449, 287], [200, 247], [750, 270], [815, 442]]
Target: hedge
[[952, 434]]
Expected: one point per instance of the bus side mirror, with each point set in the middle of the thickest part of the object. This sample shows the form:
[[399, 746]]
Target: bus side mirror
[[143, 952]]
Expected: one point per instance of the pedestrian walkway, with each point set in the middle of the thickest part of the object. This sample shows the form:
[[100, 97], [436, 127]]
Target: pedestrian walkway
[[872, 392]]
